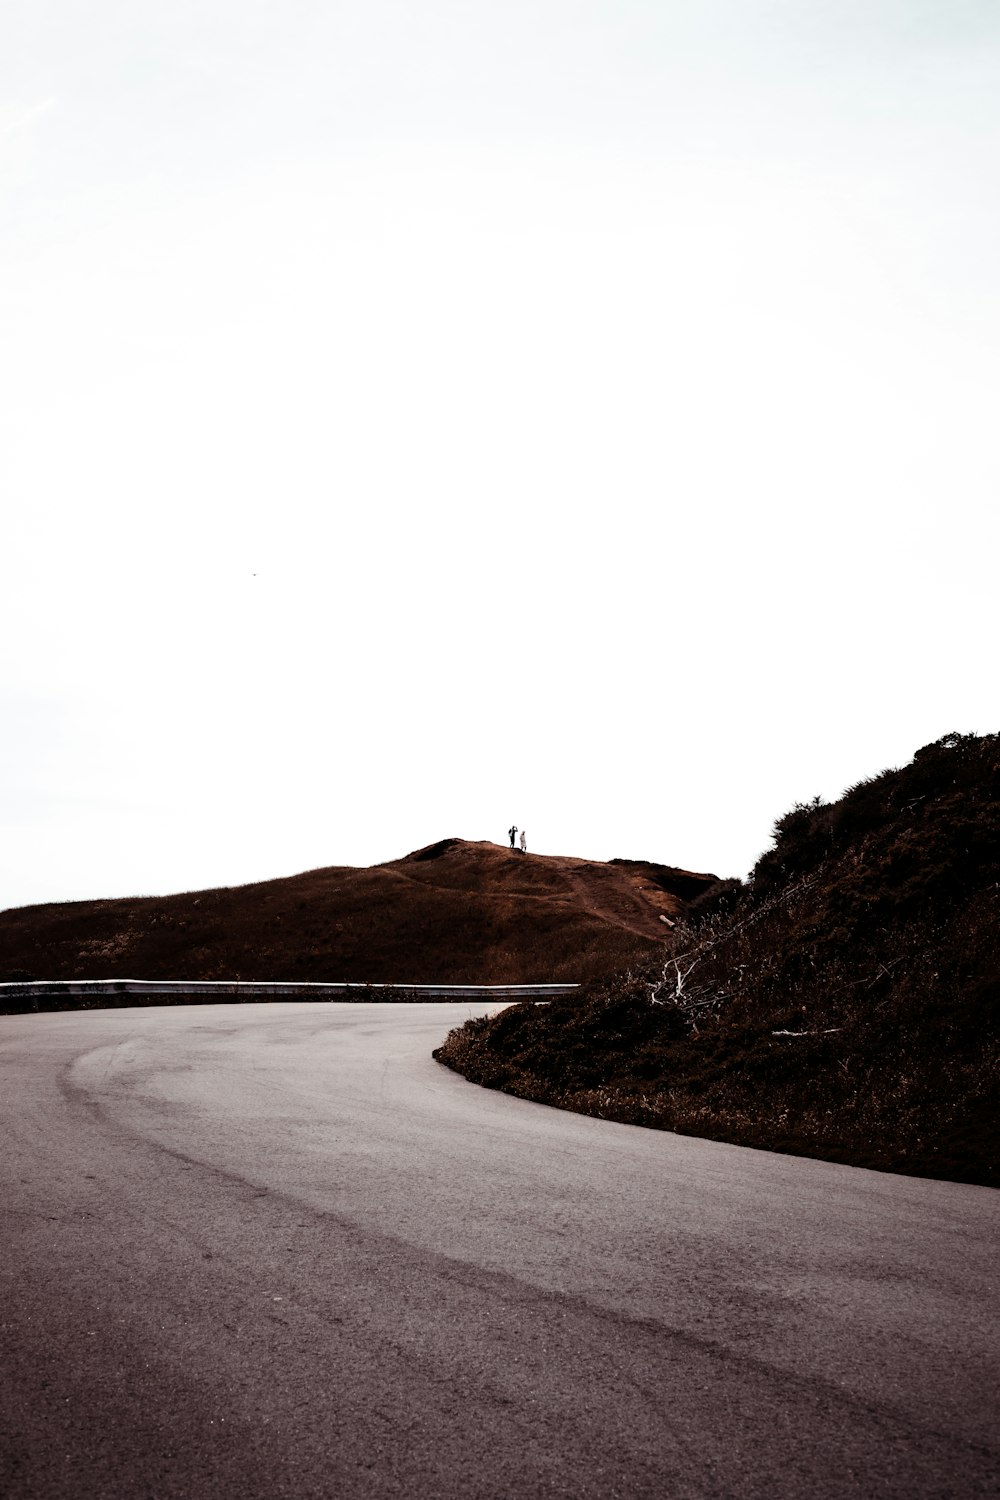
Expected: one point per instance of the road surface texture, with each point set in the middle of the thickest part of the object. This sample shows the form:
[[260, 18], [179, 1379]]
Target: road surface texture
[[278, 1251]]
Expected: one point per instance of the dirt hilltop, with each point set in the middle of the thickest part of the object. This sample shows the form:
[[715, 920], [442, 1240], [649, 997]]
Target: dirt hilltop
[[453, 912]]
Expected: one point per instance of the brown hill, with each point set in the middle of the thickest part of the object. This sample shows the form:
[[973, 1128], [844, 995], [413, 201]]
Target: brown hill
[[455, 912], [844, 1003]]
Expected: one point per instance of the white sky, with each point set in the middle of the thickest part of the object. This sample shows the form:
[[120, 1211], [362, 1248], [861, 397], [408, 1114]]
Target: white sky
[[416, 418]]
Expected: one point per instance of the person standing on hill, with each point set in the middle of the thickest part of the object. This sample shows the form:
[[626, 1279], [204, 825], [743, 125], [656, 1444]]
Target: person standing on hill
[[524, 842], [512, 830]]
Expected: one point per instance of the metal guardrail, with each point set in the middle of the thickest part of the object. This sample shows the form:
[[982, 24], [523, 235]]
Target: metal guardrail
[[259, 989]]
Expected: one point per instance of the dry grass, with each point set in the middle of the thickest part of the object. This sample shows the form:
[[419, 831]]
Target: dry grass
[[456, 912]]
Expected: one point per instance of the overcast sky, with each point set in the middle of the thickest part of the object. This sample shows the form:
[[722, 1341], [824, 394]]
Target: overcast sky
[[419, 417]]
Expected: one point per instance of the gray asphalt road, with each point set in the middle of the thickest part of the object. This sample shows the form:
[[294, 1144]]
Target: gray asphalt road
[[277, 1251]]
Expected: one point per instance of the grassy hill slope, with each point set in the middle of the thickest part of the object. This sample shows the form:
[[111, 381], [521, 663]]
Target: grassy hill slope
[[455, 912], [844, 1003]]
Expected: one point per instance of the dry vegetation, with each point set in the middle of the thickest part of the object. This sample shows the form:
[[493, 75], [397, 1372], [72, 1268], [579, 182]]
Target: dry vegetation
[[455, 912], [843, 1003]]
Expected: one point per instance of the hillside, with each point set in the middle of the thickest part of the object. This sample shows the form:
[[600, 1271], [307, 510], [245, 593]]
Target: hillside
[[455, 912], [844, 1003]]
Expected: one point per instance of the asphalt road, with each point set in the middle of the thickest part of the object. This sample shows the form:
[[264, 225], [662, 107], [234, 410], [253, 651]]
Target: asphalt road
[[276, 1250]]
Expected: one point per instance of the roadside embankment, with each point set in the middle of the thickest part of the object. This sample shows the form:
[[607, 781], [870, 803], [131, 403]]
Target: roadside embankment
[[844, 1003]]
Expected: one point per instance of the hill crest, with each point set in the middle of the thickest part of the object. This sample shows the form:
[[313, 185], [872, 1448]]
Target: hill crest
[[455, 911]]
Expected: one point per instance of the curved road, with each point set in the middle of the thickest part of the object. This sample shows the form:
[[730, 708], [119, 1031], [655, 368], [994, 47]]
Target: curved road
[[277, 1251]]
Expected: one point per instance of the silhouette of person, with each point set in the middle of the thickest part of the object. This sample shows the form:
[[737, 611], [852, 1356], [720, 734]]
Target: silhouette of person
[[512, 830], [524, 842]]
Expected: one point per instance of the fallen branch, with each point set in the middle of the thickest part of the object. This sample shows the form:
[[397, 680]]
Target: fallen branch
[[825, 1031]]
